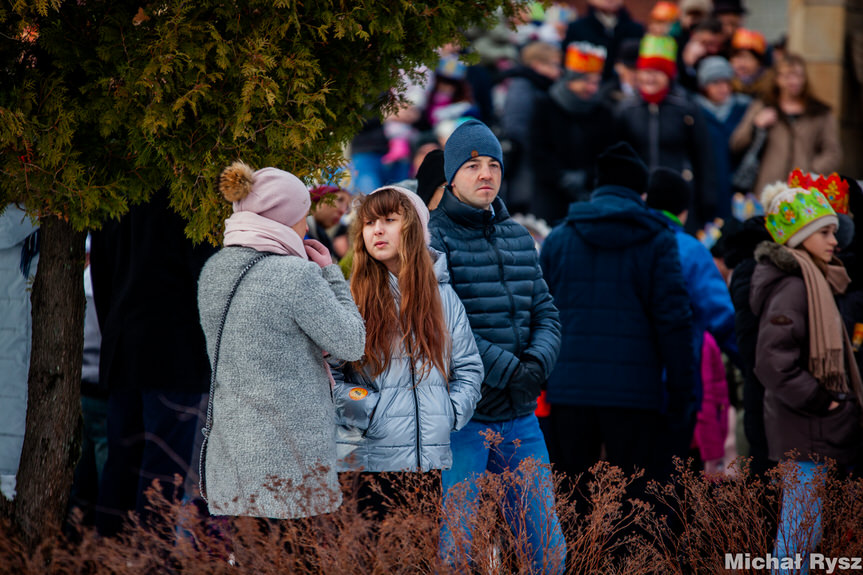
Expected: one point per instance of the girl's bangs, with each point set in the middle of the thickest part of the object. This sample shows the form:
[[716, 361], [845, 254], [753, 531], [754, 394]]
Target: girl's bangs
[[381, 204]]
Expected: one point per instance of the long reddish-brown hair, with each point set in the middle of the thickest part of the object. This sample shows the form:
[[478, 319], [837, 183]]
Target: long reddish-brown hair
[[419, 322]]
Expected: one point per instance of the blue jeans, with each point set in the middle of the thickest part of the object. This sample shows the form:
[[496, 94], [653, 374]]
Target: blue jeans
[[530, 513], [800, 519]]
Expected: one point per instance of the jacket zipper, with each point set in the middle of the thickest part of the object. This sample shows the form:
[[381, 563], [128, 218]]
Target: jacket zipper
[[416, 408], [509, 295], [653, 134]]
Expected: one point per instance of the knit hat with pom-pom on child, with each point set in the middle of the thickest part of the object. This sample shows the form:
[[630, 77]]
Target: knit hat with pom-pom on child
[[794, 214]]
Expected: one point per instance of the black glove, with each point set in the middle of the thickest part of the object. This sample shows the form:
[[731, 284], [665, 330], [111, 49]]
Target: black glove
[[526, 382]]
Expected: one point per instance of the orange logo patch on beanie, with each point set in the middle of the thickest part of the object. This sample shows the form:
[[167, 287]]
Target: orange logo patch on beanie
[[358, 393], [474, 153]]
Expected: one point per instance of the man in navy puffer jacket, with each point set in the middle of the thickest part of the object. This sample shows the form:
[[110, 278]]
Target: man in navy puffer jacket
[[614, 270], [495, 271]]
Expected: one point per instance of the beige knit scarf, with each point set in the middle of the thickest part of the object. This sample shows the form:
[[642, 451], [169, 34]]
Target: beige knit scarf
[[827, 335]]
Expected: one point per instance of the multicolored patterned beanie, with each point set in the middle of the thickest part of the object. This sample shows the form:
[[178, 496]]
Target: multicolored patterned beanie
[[658, 53], [794, 214]]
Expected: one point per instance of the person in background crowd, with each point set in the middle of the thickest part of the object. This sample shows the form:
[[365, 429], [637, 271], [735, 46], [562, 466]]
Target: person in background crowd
[[19, 257], [802, 131], [271, 413], [662, 17], [707, 39], [420, 376], [748, 57], [495, 270], [607, 24], [812, 403], [450, 96], [431, 179], [329, 205], [622, 85], [712, 425], [723, 110], [614, 271], [730, 14], [712, 310], [153, 358], [94, 412], [666, 128], [569, 130], [540, 68]]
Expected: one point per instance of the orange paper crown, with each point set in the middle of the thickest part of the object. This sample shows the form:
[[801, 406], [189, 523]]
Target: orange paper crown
[[585, 58], [749, 40], [664, 11], [834, 188]]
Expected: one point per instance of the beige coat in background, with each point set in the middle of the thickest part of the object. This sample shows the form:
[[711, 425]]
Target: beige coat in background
[[810, 143]]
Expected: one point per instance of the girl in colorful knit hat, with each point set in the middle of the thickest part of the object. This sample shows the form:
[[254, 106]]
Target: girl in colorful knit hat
[[420, 376], [804, 357]]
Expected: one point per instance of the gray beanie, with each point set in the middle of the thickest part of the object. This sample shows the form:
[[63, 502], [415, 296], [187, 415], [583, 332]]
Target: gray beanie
[[471, 139], [713, 69]]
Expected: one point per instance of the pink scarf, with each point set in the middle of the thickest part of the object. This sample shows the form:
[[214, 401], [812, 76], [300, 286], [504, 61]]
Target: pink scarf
[[250, 230]]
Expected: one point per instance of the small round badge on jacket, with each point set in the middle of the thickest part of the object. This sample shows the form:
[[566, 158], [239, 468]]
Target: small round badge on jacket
[[357, 393]]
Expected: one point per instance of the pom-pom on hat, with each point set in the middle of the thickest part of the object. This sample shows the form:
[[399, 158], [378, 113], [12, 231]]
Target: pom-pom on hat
[[658, 53], [751, 40], [585, 58], [664, 11], [713, 69], [620, 165], [269, 192], [794, 214], [668, 191], [470, 140]]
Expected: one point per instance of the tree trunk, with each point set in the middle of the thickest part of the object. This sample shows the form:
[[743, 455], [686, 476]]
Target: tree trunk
[[52, 441]]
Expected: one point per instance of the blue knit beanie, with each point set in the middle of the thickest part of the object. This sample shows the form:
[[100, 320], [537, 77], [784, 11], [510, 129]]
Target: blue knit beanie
[[471, 139]]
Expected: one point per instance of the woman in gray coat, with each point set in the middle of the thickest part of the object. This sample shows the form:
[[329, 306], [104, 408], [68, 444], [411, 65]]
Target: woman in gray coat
[[270, 449], [420, 377]]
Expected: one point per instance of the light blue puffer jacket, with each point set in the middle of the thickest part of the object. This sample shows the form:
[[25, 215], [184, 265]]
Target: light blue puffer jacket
[[396, 423], [15, 331]]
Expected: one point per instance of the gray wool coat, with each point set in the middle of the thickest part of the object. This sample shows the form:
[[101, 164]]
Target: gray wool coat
[[271, 450]]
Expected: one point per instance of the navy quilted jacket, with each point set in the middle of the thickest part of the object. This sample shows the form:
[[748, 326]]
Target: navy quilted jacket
[[614, 270], [494, 269]]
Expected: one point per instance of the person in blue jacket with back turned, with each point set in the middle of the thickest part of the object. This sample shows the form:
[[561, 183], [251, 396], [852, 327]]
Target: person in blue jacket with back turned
[[712, 309]]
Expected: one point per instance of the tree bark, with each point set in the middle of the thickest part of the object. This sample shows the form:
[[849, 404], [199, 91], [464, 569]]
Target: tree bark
[[52, 441]]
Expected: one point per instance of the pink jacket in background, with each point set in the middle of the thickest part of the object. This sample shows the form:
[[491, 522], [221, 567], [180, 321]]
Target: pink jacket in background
[[711, 428]]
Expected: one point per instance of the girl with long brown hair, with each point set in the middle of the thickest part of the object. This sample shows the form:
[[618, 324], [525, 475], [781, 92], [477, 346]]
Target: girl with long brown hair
[[420, 376]]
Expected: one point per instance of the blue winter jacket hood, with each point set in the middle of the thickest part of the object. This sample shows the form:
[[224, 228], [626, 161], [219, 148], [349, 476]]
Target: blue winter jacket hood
[[616, 217]]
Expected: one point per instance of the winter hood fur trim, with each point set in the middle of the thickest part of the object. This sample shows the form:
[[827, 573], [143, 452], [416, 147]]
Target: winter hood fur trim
[[778, 255], [235, 181]]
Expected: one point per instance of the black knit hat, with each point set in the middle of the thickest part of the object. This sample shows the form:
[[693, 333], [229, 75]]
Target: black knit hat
[[620, 165], [430, 175], [667, 190]]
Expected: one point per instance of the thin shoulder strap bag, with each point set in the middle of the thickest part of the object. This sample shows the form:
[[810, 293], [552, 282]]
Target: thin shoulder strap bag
[[208, 426]]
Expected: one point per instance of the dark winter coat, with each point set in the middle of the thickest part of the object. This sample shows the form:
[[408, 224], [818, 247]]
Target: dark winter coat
[[673, 134], [145, 286], [525, 87], [614, 270], [796, 405], [588, 28], [494, 269], [721, 123], [567, 135]]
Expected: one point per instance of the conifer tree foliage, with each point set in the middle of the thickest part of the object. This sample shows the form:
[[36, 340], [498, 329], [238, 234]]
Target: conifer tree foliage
[[104, 101]]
